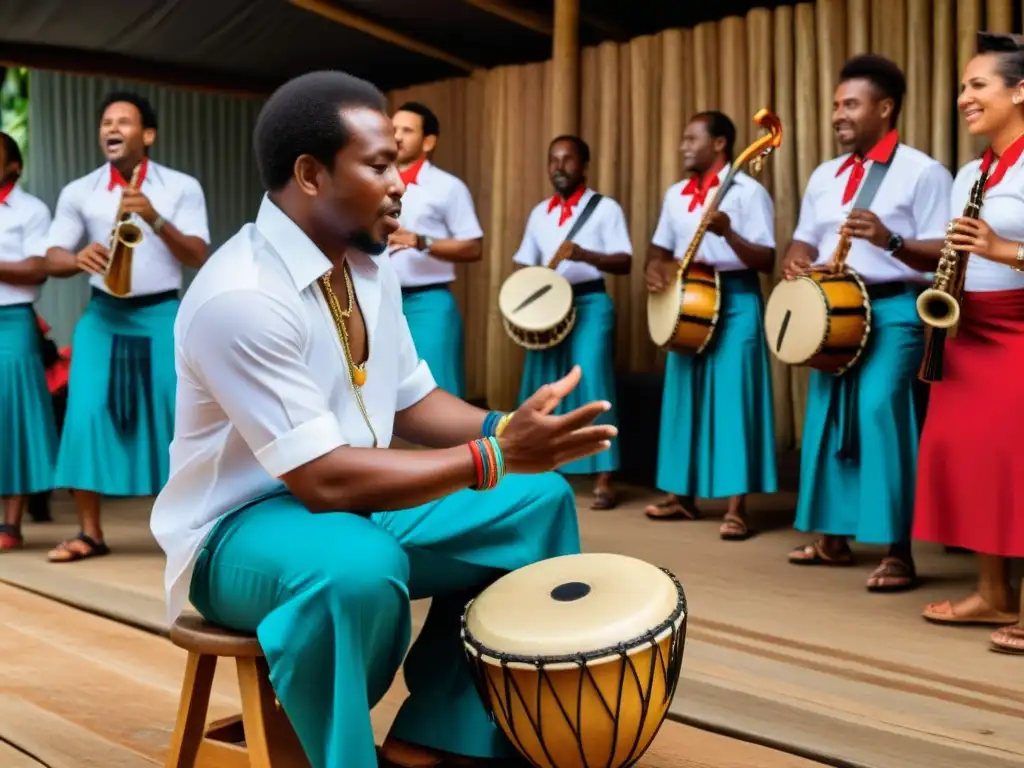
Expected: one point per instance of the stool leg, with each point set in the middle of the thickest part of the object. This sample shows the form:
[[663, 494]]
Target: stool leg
[[192, 708], [269, 736]]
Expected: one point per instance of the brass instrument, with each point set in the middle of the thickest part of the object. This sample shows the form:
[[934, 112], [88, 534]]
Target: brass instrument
[[939, 306], [124, 239]]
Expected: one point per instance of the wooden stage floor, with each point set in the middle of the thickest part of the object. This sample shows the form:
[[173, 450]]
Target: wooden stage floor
[[802, 660]]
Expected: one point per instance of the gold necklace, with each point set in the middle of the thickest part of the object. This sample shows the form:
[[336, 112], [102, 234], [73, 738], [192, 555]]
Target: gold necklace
[[356, 373]]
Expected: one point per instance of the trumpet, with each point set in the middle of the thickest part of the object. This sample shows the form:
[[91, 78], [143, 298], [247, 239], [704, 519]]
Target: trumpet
[[124, 239]]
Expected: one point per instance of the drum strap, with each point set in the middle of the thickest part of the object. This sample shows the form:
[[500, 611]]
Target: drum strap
[[585, 214], [844, 388]]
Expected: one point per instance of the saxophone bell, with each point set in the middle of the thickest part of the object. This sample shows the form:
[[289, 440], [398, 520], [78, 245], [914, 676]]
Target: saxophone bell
[[938, 309]]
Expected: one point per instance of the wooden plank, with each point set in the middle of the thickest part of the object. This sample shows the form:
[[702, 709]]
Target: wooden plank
[[59, 743], [15, 758]]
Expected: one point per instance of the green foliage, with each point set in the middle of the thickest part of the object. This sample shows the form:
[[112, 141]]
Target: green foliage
[[14, 110]]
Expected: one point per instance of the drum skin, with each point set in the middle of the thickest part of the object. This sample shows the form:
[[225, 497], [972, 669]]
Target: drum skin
[[577, 658], [536, 305], [821, 320], [682, 318]]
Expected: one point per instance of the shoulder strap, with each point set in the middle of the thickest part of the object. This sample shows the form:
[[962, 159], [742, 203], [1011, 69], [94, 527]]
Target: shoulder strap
[[584, 215], [873, 181]]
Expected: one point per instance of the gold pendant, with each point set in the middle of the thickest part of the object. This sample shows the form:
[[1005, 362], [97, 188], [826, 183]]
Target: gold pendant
[[358, 375]]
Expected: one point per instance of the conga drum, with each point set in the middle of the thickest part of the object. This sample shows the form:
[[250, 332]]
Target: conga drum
[[577, 658]]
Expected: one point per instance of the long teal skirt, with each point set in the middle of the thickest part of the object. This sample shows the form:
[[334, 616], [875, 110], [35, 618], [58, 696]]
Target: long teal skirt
[[28, 432], [859, 455], [717, 435], [328, 596], [589, 345], [121, 388], [436, 327]]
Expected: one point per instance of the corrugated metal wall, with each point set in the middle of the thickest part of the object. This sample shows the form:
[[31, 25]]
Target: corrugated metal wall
[[206, 135]]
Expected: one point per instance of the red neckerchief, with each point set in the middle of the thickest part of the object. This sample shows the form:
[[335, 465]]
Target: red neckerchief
[[567, 204], [117, 180], [1006, 161], [700, 188], [5, 190], [880, 153], [410, 174]]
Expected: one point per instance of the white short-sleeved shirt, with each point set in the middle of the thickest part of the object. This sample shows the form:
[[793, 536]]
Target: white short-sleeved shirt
[[263, 386], [437, 205], [748, 206], [605, 232], [1002, 208], [87, 207], [24, 220], [912, 201]]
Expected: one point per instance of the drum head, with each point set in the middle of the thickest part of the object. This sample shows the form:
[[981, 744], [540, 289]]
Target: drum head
[[576, 604], [663, 312], [535, 298], [796, 320]]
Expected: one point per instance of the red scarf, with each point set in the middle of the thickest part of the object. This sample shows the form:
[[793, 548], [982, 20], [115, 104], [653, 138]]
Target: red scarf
[[700, 188], [880, 153], [1006, 161], [5, 190], [410, 174], [567, 204], [117, 180]]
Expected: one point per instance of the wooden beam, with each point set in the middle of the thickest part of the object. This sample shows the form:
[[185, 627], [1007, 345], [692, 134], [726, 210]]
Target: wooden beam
[[333, 13], [538, 22], [565, 62]]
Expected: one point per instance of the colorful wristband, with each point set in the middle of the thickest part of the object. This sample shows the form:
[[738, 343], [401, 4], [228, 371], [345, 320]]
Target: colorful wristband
[[489, 463], [495, 423]]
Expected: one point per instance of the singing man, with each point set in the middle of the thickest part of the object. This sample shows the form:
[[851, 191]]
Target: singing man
[[439, 229], [717, 435], [601, 245], [120, 409]]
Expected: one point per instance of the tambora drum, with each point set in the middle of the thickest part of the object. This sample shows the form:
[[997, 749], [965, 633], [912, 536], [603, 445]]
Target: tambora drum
[[536, 305], [682, 318], [577, 657]]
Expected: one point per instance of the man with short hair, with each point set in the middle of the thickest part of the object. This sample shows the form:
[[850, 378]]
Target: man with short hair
[[120, 409], [287, 513], [439, 229]]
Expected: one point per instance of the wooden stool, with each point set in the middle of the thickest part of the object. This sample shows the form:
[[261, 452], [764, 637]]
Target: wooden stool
[[262, 737]]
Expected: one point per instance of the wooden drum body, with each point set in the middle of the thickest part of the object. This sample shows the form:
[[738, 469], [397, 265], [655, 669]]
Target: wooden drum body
[[821, 320], [536, 305], [577, 658], [682, 318]]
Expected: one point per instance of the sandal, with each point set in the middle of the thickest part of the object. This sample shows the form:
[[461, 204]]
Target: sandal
[[10, 538], [604, 499], [734, 529], [815, 554], [96, 549], [1009, 640], [671, 510], [975, 611], [892, 575]]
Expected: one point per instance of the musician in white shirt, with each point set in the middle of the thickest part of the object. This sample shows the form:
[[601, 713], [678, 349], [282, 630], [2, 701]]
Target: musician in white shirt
[[120, 410], [717, 437], [601, 245], [860, 435], [970, 487], [28, 435], [439, 229]]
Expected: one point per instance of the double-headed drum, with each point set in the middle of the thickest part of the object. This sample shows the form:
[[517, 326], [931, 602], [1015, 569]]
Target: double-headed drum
[[821, 320], [577, 658], [536, 305], [682, 318]]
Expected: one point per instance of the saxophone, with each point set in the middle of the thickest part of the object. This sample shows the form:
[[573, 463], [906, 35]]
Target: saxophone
[[939, 306], [124, 239]]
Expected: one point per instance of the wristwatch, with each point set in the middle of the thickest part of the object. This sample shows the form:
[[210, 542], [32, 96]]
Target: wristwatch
[[158, 224], [423, 243], [894, 244]]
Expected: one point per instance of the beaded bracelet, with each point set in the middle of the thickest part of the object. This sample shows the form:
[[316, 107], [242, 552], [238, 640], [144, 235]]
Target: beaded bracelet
[[495, 423], [489, 463]]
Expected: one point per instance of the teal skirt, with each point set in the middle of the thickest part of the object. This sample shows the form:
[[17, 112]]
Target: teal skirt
[[121, 388], [436, 327], [27, 425], [859, 456], [590, 345], [717, 435]]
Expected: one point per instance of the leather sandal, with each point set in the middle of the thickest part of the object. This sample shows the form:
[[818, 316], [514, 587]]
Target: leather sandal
[[1009, 640]]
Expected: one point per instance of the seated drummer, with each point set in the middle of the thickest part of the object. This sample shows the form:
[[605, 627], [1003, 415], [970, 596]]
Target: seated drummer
[[286, 513]]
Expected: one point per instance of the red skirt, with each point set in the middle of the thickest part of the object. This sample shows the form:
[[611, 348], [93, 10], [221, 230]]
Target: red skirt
[[970, 475]]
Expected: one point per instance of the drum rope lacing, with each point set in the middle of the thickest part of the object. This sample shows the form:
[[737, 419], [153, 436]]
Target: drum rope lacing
[[670, 667]]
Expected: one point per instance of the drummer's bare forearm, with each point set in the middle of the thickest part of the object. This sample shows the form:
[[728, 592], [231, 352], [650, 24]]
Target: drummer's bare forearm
[[657, 253], [440, 420], [612, 263], [457, 251], [921, 255], [61, 262], [30, 271], [757, 257]]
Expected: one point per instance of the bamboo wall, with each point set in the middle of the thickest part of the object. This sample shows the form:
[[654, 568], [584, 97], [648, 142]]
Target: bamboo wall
[[636, 99]]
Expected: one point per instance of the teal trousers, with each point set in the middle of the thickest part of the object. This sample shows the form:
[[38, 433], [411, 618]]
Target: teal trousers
[[436, 327], [328, 596]]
